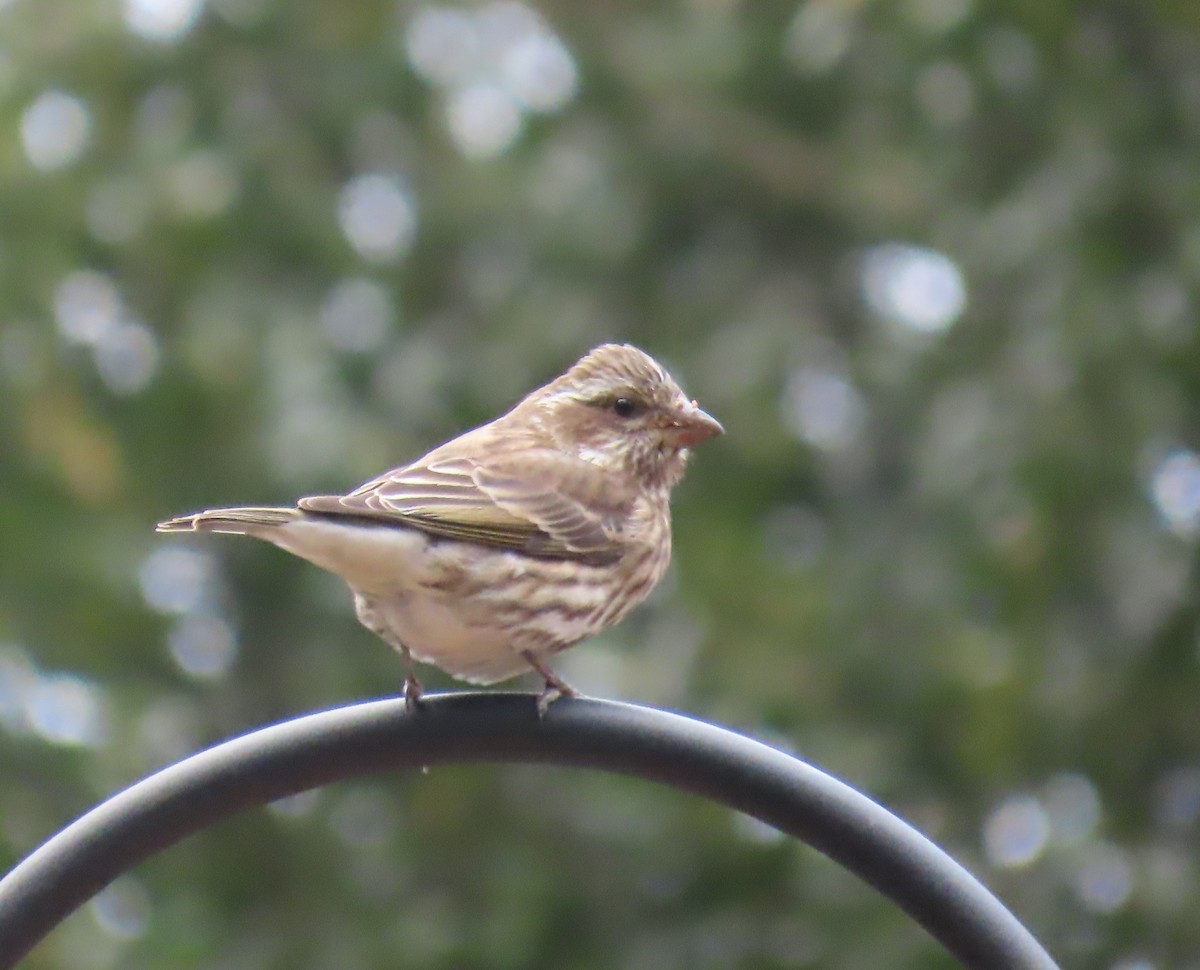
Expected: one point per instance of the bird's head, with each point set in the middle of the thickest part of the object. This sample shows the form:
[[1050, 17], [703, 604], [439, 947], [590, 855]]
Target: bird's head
[[619, 409]]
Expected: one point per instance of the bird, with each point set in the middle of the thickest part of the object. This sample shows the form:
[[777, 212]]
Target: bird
[[514, 541]]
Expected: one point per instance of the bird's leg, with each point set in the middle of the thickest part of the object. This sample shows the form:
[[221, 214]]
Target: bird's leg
[[413, 690], [555, 687], [368, 615]]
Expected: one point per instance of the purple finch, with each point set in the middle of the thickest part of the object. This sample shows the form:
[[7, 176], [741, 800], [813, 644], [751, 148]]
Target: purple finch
[[513, 541]]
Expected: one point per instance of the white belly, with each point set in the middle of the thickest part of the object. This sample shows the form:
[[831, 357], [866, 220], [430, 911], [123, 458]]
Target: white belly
[[469, 610], [475, 612], [436, 634]]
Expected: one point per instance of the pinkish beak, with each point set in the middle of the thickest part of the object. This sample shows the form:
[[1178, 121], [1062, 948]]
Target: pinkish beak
[[690, 426]]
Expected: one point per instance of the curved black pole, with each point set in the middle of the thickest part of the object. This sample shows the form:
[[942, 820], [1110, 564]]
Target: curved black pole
[[479, 727]]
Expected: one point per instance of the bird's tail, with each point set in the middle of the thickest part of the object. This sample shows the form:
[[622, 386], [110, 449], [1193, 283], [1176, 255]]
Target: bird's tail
[[246, 521]]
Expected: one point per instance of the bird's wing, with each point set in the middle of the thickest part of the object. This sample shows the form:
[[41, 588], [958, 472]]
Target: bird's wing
[[536, 501]]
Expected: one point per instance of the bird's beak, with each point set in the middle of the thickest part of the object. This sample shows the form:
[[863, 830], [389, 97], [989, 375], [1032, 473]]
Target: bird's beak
[[690, 426]]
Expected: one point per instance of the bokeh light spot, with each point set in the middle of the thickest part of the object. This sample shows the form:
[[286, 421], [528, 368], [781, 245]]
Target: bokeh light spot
[[1175, 487], [67, 709], [55, 130], [127, 357], [162, 20], [916, 287], [203, 185], [540, 72], [176, 580], [204, 647], [87, 306], [823, 408], [1072, 807], [122, 909], [378, 216], [1015, 833], [819, 36], [357, 314], [1105, 879], [493, 63], [483, 120], [442, 44]]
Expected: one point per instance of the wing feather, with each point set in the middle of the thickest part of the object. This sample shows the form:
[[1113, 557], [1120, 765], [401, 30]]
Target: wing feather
[[534, 500]]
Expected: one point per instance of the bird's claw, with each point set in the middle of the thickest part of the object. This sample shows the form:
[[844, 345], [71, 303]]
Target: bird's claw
[[553, 690], [555, 687], [413, 692]]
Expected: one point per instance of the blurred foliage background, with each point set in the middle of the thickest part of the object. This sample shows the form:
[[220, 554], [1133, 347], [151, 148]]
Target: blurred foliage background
[[934, 264]]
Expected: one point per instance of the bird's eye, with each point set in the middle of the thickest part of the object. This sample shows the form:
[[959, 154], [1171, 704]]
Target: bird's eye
[[625, 407]]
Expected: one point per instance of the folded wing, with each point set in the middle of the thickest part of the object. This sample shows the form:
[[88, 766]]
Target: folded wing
[[536, 501]]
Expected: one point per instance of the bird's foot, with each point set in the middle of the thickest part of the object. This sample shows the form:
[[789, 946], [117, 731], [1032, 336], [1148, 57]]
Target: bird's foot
[[552, 692], [555, 687], [413, 692]]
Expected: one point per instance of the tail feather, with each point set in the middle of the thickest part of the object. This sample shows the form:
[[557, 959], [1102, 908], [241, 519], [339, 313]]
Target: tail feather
[[244, 521]]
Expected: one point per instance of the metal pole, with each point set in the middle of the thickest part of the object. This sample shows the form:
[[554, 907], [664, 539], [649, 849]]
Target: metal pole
[[479, 727]]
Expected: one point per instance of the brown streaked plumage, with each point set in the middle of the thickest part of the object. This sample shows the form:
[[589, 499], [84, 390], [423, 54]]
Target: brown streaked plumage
[[513, 541]]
